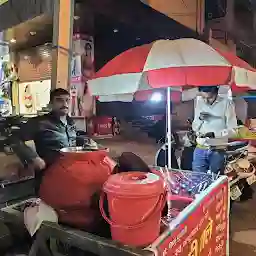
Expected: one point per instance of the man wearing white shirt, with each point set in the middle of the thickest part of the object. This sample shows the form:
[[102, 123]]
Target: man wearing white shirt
[[214, 121]]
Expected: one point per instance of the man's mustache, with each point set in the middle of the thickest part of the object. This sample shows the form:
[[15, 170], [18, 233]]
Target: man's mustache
[[64, 108]]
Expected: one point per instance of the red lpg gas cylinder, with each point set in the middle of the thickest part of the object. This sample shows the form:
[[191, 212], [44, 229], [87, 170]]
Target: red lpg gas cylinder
[[135, 202], [70, 184]]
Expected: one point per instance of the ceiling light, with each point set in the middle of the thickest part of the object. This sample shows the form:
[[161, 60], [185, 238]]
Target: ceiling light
[[76, 17], [13, 40], [138, 38], [26, 57], [115, 30], [32, 33]]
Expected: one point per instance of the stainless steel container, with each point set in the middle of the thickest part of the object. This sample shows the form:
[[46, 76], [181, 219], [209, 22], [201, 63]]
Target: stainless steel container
[[83, 149]]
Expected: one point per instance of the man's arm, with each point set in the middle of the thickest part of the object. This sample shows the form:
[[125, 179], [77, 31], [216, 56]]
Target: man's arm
[[26, 133], [231, 120], [197, 123]]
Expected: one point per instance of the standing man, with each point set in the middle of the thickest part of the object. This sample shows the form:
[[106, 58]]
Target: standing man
[[215, 117]]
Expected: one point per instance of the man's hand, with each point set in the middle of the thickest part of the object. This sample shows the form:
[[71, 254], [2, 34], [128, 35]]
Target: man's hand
[[38, 163], [209, 135], [204, 116]]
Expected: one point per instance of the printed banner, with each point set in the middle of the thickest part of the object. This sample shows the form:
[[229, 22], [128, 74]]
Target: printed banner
[[205, 231], [82, 69], [34, 96]]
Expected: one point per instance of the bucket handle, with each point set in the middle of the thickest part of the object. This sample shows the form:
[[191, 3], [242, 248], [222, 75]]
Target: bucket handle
[[158, 206]]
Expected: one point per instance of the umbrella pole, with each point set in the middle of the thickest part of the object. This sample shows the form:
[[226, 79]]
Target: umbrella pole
[[168, 217], [169, 127]]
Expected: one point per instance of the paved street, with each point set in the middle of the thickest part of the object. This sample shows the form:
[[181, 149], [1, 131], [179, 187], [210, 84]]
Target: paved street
[[243, 217]]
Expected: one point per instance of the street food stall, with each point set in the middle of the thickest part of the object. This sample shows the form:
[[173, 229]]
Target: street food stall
[[189, 211], [160, 65], [199, 224]]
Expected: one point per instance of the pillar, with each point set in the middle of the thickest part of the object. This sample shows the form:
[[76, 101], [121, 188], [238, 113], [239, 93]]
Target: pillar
[[200, 16], [253, 50], [62, 43]]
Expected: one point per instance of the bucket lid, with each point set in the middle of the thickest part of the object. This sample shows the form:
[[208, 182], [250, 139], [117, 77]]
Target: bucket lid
[[134, 184]]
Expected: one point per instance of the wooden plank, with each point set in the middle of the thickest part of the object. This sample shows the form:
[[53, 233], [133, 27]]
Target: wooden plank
[[83, 241]]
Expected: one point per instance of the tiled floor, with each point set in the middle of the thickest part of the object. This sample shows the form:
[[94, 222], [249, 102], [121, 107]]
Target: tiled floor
[[242, 219]]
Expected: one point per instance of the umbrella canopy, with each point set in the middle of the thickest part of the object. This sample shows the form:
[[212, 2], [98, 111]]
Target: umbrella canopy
[[154, 95], [171, 63]]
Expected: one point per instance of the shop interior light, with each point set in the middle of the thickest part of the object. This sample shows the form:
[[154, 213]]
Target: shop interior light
[[156, 97], [45, 54], [115, 30], [32, 33], [13, 40], [76, 17]]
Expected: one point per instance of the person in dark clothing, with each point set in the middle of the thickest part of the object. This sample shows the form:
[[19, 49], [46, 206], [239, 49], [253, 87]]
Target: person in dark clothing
[[189, 147], [50, 133], [159, 133], [130, 162], [162, 157], [247, 191]]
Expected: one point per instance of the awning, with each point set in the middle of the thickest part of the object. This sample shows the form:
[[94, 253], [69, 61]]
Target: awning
[[142, 17], [14, 12], [136, 23]]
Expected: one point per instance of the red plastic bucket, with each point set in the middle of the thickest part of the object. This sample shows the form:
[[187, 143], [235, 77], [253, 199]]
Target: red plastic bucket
[[135, 203]]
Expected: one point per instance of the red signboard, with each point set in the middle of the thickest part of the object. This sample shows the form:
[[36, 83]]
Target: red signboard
[[103, 125], [204, 232]]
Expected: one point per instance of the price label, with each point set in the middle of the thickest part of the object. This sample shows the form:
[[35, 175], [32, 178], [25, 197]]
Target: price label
[[235, 192], [252, 179]]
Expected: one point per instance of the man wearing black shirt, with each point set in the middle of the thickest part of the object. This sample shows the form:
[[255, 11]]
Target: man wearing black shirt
[[50, 133]]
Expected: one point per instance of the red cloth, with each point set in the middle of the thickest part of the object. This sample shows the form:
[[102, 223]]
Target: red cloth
[[72, 184]]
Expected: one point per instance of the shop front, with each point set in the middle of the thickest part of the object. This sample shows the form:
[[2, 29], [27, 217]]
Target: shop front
[[27, 73], [26, 28], [33, 41], [40, 50]]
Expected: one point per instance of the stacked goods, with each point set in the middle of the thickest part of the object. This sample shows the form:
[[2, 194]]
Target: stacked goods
[[240, 167], [244, 132], [248, 131], [241, 172]]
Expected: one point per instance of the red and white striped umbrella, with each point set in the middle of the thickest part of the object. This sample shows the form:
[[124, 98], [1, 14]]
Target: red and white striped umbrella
[[172, 63]]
